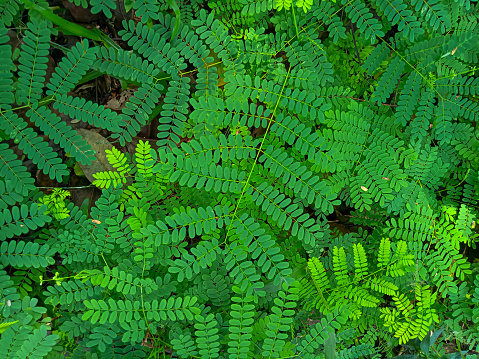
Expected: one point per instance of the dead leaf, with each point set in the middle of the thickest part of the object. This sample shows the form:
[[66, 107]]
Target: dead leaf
[[99, 144], [118, 103]]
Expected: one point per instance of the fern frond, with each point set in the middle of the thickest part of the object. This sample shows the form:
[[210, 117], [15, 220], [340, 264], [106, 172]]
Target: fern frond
[[153, 47], [143, 159], [62, 134], [28, 254], [318, 274], [384, 252], [357, 351], [321, 332], [340, 266], [38, 343], [388, 80], [360, 261], [242, 313], [20, 219], [301, 102], [8, 10], [125, 65], [403, 261], [71, 69], [6, 81], [383, 286], [89, 112], [367, 24], [72, 291], [172, 309], [375, 58], [18, 182], [280, 322], [398, 13], [33, 61], [33, 146], [123, 282], [408, 99], [174, 111], [184, 345], [288, 216], [207, 337], [326, 12]]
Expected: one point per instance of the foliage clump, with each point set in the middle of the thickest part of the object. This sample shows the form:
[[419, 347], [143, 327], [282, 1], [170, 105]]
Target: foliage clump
[[219, 238]]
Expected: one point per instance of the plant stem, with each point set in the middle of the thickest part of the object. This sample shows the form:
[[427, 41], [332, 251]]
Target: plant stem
[[295, 24], [353, 30]]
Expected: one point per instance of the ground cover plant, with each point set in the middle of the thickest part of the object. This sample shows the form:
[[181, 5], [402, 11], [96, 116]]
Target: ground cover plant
[[274, 179]]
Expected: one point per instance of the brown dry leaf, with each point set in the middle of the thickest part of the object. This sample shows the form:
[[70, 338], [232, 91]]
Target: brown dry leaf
[[118, 103], [99, 144]]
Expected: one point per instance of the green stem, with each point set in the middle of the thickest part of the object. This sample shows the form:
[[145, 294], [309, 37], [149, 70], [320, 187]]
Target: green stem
[[459, 348], [295, 24]]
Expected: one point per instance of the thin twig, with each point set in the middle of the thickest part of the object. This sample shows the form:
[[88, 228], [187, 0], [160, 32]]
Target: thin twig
[[397, 88], [357, 52]]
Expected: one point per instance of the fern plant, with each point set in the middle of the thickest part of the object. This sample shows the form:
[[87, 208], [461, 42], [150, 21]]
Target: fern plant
[[213, 240]]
